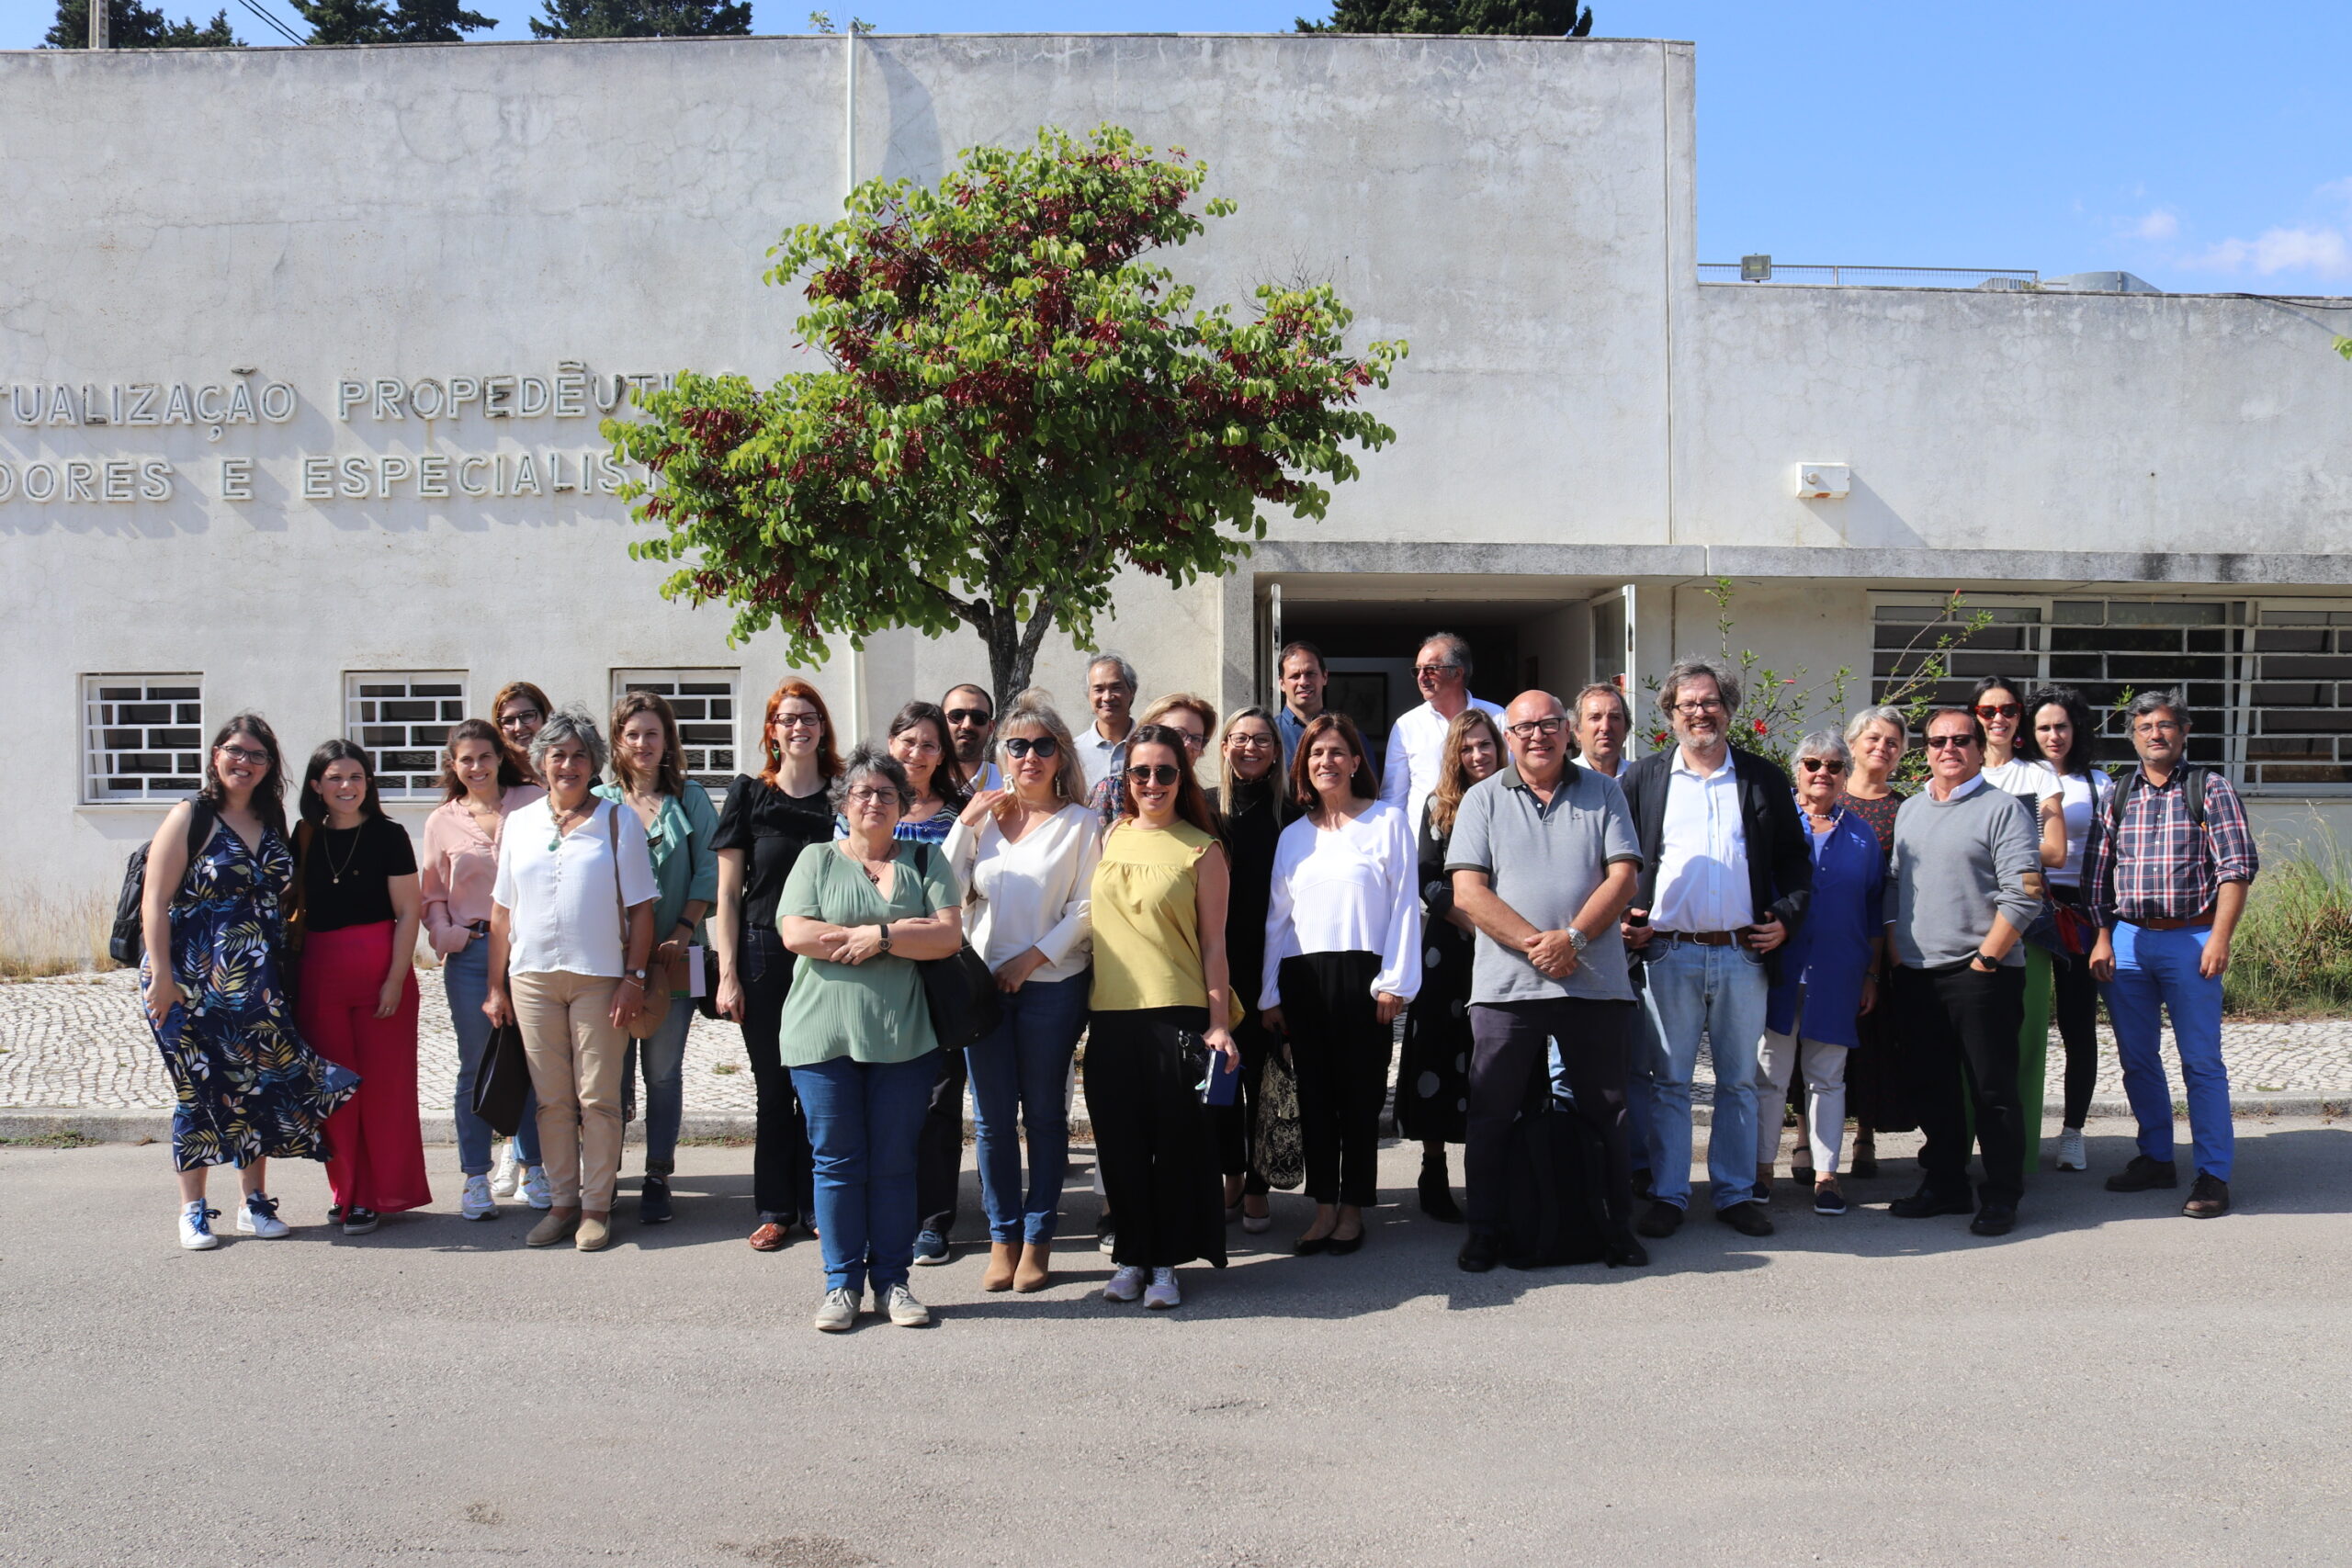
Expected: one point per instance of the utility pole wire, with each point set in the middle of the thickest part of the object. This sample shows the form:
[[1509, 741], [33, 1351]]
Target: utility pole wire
[[283, 31]]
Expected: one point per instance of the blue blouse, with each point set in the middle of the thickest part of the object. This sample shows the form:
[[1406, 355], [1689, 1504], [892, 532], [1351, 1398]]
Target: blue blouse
[[1828, 954]]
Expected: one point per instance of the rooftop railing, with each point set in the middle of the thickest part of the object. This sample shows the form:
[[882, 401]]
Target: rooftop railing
[[1764, 269]]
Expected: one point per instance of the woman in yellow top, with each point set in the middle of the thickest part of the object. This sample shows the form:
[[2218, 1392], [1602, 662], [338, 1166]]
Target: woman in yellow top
[[1163, 1005]]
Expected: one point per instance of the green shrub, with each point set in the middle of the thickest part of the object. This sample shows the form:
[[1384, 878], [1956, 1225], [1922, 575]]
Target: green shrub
[[2293, 948]]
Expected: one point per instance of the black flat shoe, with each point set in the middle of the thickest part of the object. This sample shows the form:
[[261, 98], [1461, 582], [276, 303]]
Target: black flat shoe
[[1748, 1219], [2144, 1175], [1662, 1220], [653, 1201], [1924, 1204], [1341, 1245], [1479, 1253], [1621, 1251], [1307, 1247], [1994, 1219]]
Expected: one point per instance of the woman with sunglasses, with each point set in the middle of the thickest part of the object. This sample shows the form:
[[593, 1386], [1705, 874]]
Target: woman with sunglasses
[[1829, 969], [1344, 957], [1252, 810], [2063, 736], [1192, 717], [2012, 766], [1027, 853], [1163, 1007]]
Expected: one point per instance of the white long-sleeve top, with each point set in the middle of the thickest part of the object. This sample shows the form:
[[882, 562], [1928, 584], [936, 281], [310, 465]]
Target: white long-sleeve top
[[1036, 893], [1415, 752], [1352, 888]]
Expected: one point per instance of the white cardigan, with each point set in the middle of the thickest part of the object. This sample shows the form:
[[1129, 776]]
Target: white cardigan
[[1036, 893], [1354, 888]]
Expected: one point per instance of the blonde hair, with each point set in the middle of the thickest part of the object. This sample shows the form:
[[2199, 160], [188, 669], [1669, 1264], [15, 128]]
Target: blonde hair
[[1199, 707], [1034, 709], [1453, 783]]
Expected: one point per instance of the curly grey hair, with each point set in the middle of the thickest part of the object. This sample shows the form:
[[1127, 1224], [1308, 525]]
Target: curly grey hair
[[1726, 681], [1885, 713], [867, 760], [572, 723]]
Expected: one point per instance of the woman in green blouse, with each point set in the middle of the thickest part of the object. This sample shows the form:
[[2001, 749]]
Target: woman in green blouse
[[859, 912], [649, 776]]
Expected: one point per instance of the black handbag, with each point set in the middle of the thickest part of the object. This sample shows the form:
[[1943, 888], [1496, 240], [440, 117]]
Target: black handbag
[[502, 1081], [960, 990]]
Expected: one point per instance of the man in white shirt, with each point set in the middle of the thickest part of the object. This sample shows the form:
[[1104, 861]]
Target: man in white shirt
[[1110, 691], [971, 724], [1727, 874], [1417, 741]]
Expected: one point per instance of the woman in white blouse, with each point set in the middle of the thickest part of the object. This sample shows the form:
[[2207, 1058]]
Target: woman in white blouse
[[571, 927], [1343, 956], [1027, 852]]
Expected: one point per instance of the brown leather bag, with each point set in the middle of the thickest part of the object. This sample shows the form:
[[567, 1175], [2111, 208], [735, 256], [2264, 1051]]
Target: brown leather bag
[[653, 1001]]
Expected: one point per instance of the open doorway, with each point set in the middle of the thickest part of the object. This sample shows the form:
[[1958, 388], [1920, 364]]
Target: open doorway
[[1369, 651]]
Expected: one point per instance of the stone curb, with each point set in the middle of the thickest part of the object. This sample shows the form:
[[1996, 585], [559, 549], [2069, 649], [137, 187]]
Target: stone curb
[[132, 1126]]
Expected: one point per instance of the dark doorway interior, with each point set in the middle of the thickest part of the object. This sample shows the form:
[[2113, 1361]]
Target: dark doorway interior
[[1371, 662]]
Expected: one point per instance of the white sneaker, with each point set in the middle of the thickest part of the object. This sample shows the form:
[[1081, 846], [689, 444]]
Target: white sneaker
[[509, 1173], [195, 1228], [907, 1312], [257, 1216], [1163, 1294], [476, 1203], [1126, 1285], [535, 1186], [838, 1312], [2070, 1150]]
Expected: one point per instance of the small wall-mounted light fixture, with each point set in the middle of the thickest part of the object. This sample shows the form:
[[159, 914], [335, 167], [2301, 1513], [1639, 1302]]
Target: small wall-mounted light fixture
[[1756, 269], [1824, 481]]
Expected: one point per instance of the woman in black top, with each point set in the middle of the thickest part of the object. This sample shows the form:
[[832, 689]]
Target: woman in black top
[[764, 825], [1252, 813], [356, 1001]]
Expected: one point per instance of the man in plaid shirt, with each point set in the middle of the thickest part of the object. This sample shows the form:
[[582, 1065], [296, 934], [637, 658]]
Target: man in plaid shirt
[[2167, 893]]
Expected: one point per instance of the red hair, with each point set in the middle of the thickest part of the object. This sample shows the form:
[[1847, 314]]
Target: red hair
[[829, 760]]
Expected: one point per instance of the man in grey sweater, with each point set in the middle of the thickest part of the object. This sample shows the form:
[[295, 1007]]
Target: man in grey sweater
[[1967, 883]]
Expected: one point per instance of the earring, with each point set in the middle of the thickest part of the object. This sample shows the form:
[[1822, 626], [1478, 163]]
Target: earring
[[775, 753]]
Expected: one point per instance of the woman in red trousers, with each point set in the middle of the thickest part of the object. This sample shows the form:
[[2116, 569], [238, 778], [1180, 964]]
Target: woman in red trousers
[[356, 1003]]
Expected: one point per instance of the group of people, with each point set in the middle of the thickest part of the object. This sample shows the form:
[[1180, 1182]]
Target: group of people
[[1558, 929]]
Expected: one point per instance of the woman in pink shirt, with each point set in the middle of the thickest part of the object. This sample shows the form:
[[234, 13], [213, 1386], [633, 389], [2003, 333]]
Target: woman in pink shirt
[[485, 784]]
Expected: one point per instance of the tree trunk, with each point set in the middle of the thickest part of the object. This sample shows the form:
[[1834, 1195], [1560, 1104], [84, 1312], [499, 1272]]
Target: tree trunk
[[1012, 649]]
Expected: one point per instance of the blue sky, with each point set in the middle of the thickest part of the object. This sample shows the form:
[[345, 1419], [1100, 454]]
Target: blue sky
[[2203, 146]]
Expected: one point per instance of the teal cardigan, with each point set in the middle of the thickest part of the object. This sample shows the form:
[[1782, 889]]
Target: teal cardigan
[[686, 866]]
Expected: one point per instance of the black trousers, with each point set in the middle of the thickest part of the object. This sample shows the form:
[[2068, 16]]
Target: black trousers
[[1340, 1049], [1153, 1141], [1237, 1125], [1963, 1028], [2074, 1005], [783, 1172], [1510, 1074], [939, 1152]]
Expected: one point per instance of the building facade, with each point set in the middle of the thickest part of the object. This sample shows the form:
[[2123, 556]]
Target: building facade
[[303, 354]]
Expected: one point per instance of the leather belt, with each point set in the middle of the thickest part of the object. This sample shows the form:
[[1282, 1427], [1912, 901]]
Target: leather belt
[[2167, 925], [1703, 939]]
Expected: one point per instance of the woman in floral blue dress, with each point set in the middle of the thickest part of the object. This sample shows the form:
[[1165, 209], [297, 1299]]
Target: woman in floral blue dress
[[248, 1086]]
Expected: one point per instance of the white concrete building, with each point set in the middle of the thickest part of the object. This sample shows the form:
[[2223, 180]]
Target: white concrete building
[[303, 352]]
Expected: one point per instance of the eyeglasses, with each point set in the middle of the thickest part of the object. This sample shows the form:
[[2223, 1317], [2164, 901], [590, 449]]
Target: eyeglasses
[[1243, 740], [1043, 747], [1431, 672], [1192, 742], [1162, 773], [2153, 725], [799, 721], [1939, 742], [1536, 726], [919, 747], [246, 755], [865, 793], [518, 720], [1821, 764], [1703, 705], [969, 715], [1998, 710]]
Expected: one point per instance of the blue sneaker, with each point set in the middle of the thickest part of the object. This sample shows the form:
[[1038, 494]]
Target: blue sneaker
[[931, 1248]]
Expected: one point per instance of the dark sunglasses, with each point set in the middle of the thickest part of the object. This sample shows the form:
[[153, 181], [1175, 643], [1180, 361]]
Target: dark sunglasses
[[1938, 742], [1043, 747], [1998, 710], [971, 715], [1154, 773], [1821, 765]]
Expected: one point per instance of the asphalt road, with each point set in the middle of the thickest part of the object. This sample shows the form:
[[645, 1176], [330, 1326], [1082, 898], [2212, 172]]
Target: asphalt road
[[2110, 1384]]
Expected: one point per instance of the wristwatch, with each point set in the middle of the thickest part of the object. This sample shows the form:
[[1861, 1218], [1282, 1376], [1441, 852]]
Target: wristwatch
[[884, 927], [1578, 939], [636, 974], [1980, 957]]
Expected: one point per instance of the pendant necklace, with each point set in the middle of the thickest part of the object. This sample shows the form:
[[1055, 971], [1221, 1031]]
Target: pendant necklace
[[562, 827], [336, 871]]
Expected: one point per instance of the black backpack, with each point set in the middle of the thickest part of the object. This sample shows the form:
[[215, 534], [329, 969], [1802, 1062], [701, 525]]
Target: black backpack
[[128, 939], [1555, 1173]]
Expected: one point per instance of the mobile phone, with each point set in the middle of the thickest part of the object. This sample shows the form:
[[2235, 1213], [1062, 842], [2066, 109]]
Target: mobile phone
[[1637, 917]]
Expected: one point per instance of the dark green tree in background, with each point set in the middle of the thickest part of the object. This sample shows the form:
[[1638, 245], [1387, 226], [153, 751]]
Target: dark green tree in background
[[131, 25], [372, 21], [642, 19], [1524, 18]]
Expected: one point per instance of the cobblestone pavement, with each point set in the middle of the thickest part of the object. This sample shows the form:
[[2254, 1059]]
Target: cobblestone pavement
[[80, 1042]]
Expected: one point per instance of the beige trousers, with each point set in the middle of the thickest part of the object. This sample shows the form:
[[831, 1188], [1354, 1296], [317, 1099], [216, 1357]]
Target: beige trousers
[[575, 1051]]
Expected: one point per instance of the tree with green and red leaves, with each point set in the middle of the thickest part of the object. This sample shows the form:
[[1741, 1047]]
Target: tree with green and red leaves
[[1015, 406]]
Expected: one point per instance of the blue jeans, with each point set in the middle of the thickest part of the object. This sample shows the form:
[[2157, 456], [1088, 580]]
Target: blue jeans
[[865, 1119], [664, 1054], [1020, 1073], [1718, 992], [465, 978], [2157, 969]]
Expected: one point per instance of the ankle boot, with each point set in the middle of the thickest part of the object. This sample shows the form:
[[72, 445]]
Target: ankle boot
[[1436, 1193], [998, 1276], [1036, 1260]]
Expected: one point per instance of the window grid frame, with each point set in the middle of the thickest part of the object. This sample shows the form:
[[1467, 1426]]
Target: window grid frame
[[358, 726], [98, 770]]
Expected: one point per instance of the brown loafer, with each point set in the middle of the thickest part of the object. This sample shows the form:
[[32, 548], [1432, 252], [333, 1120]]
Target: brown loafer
[[557, 1225], [771, 1236]]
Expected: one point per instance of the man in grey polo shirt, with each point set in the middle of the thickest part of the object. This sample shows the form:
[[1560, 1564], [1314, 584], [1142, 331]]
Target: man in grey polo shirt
[[1543, 861]]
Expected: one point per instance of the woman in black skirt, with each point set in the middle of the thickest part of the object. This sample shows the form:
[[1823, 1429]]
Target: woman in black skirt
[[1254, 810], [1433, 1079]]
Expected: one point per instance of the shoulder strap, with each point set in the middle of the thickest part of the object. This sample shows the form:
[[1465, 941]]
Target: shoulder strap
[[201, 819], [620, 903]]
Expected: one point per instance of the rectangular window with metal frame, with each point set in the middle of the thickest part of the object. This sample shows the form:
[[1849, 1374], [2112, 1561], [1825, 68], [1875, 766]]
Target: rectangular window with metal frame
[[142, 738], [703, 701], [402, 720]]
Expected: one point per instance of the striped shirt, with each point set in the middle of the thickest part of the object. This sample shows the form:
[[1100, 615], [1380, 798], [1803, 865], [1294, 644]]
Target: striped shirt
[[2155, 866]]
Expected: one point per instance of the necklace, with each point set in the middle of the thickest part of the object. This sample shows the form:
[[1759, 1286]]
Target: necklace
[[334, 870], [563, 825]]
